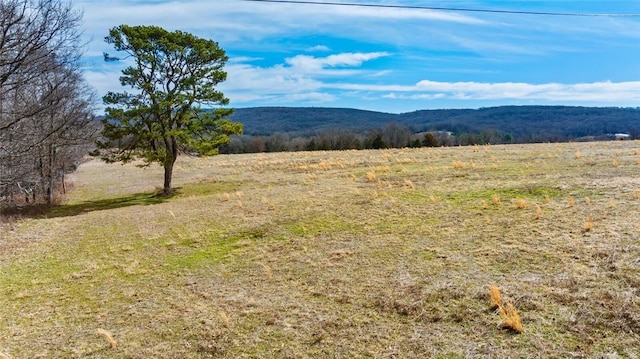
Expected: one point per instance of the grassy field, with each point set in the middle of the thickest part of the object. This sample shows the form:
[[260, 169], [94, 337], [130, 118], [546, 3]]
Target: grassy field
[[357, 254]]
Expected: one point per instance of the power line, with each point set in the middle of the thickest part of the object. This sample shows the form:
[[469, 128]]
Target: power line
[[446, 8]]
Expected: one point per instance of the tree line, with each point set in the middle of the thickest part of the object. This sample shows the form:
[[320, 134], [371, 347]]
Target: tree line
[[46, 108], [388, 136], [520, 124], [274, 129]]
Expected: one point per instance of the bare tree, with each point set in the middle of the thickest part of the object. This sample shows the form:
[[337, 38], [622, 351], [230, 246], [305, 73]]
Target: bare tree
[[65, 127], [45, 105], [31, 34], [396, 136]]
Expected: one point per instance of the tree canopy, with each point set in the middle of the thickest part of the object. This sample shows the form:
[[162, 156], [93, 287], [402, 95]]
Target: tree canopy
[[175, 106]]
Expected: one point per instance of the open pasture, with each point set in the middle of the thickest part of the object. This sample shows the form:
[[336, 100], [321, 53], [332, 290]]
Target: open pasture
[[356, 254]]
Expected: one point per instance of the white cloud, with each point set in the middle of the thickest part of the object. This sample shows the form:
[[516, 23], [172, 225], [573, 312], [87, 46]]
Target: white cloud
[[241, 59], [310, 64], [614, 93], [298, 79], [597, 91], [318, 48]]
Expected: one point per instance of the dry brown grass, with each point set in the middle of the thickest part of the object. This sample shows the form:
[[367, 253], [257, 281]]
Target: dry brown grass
[[538, 211], [106, 335], [300, 255], [510, 318], [496, 297], [224, 318], [371, 176], [459, 165], [408, 184], [588, 225], [508, 313], [521, 203]]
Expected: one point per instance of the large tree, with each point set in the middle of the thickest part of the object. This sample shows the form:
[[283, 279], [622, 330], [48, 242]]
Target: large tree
[[174, 107]]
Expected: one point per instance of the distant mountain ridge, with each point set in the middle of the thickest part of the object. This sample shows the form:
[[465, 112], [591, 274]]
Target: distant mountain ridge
[[522, 122]]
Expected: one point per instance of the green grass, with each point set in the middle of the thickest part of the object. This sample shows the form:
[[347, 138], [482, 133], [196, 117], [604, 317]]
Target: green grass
[[300, 255], [208, 188], [209, 249]]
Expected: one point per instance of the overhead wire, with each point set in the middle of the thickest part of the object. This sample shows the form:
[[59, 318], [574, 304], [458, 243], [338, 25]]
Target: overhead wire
[[440, 8]]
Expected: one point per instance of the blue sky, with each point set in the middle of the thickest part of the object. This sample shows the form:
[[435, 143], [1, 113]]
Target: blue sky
[[395, 60]]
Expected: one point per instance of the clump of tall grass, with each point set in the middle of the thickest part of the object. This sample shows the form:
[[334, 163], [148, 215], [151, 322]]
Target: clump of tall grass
[[496, 297], [588, 225], [105, 334], [521, 203], [325, 166], [508, 313], [383, 169], [371, 176], [267, 270], [459, 165], [510, 318], [224, 318], [409, 185]]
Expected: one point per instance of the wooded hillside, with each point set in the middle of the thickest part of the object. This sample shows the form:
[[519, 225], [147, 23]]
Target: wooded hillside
[[522, 123]]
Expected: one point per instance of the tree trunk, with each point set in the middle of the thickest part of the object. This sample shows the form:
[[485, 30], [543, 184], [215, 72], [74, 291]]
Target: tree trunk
[[64, 185], [172, 146], [168, 173], [50, 178]]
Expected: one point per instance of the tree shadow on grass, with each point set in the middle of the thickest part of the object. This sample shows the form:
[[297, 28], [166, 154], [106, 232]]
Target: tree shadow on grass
[[138, 199]]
